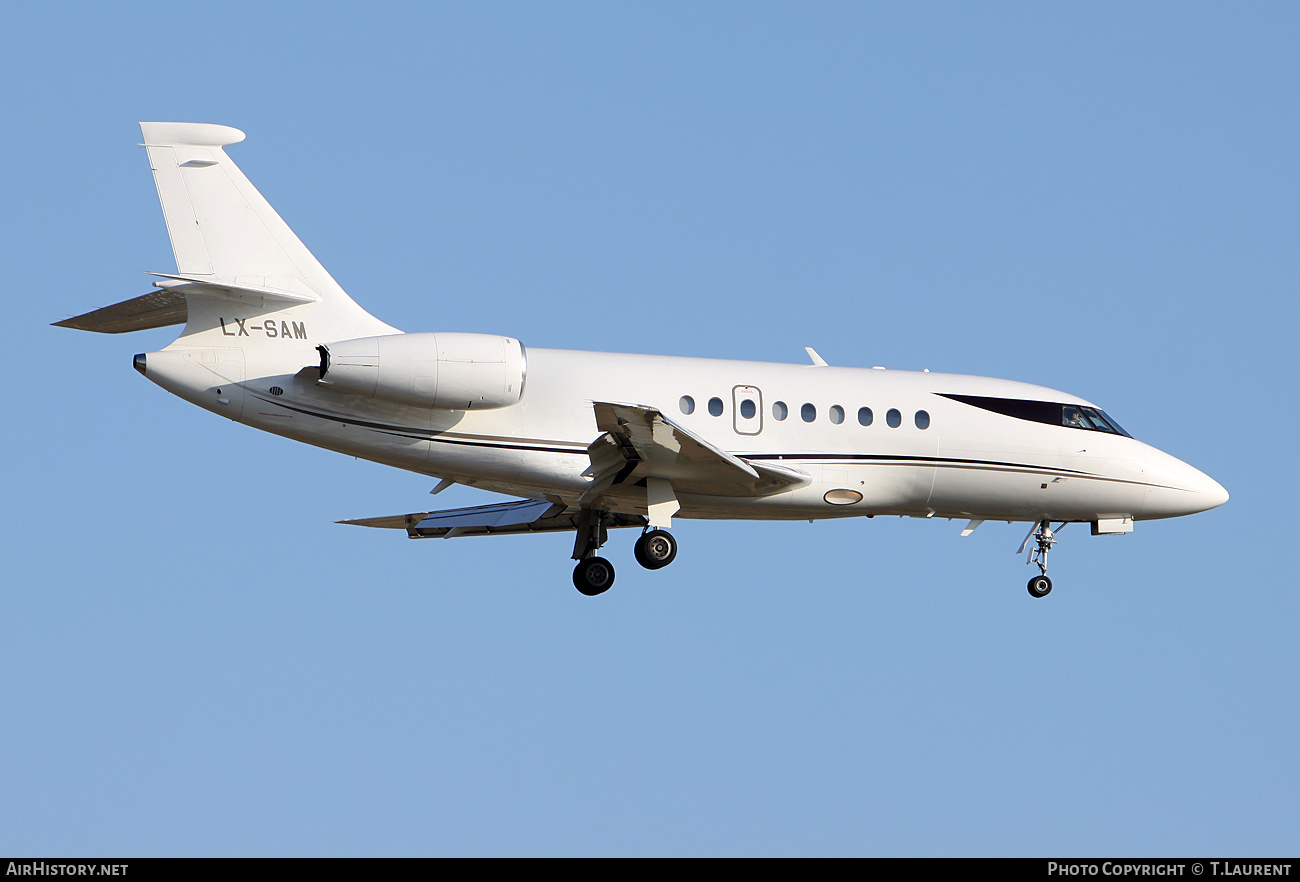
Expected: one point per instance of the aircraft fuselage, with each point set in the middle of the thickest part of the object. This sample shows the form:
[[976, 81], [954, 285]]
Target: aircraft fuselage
[[944, 457]]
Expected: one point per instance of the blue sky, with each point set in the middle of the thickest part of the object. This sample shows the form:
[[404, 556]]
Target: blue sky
[[1101, 198]]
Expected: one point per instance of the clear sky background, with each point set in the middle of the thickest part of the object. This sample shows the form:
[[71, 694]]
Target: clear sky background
[[1100, 197]]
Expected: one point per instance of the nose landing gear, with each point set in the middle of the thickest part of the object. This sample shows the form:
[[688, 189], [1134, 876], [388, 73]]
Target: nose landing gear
[[1040, 586], [1044, 538]]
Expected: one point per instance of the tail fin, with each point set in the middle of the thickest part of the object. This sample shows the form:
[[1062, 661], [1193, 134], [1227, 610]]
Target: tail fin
[[227, 237]]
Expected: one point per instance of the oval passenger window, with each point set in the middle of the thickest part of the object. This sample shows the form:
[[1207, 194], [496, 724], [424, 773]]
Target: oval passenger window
[[809, 413], [715, 406], [779, 410], [747, 409], [687, 404], [922, 420], [894, 418]]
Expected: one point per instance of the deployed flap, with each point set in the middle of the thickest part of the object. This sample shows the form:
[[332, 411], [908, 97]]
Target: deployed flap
[[663, 449], [521, 516], [157, 309]]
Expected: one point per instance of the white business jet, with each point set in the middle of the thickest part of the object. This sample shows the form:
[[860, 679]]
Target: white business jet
[[590, 441]]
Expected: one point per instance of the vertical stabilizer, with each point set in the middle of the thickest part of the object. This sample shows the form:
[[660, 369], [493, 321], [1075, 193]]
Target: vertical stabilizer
[[228, 238]]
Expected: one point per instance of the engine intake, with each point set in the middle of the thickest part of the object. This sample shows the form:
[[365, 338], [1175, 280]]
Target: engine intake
[[446, 371]]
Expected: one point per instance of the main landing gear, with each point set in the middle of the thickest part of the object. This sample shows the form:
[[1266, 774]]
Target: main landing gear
[[594, 575], [655, 549], [1044, 539]]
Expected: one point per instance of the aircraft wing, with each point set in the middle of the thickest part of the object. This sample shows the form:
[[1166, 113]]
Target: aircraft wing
[[520, 516], [639, 442]]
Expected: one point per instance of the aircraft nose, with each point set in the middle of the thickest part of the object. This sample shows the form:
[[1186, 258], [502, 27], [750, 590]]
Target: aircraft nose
[[1179, 489], [1213, 492]]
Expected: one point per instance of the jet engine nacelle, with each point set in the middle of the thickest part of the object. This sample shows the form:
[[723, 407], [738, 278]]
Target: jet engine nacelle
[[447, 371]]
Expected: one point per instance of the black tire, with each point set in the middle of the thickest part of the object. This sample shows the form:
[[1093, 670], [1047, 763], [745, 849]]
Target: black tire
[[1040, 586], [655, 550], [593, 576]]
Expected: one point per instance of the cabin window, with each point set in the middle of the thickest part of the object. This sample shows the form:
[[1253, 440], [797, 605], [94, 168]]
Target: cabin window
[[715, 406], [779, 410], [837, 414], [687, 404], [922, 419], [894, 418], [808, 412], [865, 416], [748, 410]]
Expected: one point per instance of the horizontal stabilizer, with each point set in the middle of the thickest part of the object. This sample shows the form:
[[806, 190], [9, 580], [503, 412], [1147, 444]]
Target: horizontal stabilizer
[[157, 309], [212, 285], [521, 516]]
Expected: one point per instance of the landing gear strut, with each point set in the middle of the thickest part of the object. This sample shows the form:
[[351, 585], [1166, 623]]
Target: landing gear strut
[[1044, 538], [593, 575]]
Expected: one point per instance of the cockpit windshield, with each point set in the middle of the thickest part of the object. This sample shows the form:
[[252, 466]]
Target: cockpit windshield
[[1073, 416], [1080, 417], [1110, 421]]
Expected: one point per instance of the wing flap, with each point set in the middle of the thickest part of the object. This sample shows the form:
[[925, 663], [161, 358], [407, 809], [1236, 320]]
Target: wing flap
[[659, 448], [520, 516]]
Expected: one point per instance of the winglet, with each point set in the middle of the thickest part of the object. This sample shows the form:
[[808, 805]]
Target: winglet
[[817, 360]]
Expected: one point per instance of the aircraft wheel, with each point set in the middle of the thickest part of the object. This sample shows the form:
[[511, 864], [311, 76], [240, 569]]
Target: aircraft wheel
[[1040, 586], [655, 549], [593, 576]]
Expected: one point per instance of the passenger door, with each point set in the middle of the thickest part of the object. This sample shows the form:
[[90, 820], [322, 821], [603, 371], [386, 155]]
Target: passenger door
[[747, 410]]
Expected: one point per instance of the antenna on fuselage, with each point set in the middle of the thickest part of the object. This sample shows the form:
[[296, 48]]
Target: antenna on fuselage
[[817, 360]]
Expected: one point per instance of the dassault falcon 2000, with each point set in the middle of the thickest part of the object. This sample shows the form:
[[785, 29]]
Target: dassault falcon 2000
[[591, 441]]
